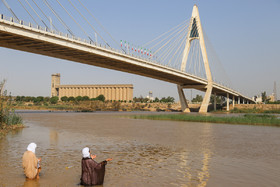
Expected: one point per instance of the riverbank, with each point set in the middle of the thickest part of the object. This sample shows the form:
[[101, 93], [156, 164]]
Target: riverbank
[[247, 119], [92, 106]]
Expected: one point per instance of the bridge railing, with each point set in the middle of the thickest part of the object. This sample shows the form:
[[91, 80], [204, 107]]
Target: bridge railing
[[68, 36], [89, 42]]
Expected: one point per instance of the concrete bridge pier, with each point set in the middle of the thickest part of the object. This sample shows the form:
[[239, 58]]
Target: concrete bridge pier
[[215, 102], [206, 98], [184, 105], [233, 101], [227, 102]]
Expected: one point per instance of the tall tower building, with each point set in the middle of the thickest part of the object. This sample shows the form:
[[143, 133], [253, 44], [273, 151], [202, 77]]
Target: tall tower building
[[55, 85]]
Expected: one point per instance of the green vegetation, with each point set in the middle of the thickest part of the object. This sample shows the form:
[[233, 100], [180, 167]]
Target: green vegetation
[[8, 118], [249, 119], [198, 99], [141, 99], [254, 110]]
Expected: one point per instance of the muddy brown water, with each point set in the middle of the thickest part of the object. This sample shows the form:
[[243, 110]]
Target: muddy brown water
[[144, 152]]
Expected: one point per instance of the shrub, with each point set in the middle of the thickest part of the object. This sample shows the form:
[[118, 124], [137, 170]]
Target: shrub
[[101, 98], [7, 116], [54, 100], [64, 98]]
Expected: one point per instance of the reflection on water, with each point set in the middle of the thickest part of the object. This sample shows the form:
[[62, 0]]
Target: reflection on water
[[31, 183], [53, 138], [145, 153]]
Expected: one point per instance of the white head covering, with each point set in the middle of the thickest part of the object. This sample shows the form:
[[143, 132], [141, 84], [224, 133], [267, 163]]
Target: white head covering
[[85, 152], [31, 147]]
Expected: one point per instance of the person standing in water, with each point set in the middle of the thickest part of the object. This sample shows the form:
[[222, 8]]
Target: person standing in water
[[92, 172], [30, 163]]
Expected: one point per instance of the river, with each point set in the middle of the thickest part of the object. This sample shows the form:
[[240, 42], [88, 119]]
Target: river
[[145, 152]]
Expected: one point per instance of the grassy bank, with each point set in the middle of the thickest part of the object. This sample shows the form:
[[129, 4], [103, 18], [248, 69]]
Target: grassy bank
[[9, 120], [248, 119], [255, 110]]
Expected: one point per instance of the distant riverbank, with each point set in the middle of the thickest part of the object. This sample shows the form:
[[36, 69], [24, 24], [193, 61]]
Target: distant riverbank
[[247, 119], [92, 106]]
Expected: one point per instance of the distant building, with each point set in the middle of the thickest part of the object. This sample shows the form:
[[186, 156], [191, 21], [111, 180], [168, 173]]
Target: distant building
[[150, 96], [123, 92], [271, 98], [258, 99]]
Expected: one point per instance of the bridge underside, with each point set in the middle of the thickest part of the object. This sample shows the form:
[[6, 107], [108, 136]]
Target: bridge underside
[[31, 45]]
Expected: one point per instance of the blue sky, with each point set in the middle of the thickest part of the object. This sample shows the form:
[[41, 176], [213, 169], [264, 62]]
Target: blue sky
[[245, 35]]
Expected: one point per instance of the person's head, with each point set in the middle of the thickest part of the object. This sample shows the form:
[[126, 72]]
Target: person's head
[[31, 147], [86, 152]]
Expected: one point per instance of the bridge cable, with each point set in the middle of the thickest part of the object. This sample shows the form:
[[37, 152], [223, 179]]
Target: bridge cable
[[9, 8], [166, 37], [88, 22], [169, 48], [75, 21], [179, 48], [164, 45], [99, 23], [58, 17], [28, 12], [177, 44], [224, 75], [44, 14], [164, 33], [37, 14], [172, 45]]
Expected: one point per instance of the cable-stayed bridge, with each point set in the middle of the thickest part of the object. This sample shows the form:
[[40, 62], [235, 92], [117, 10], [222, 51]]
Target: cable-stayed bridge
[[178, 56]]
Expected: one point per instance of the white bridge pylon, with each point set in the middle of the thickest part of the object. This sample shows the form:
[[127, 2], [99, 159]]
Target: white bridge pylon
[[195, 33]]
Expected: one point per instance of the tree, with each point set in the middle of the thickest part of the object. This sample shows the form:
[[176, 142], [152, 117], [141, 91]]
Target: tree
[[101, 98], [38, 99], [219, 99], [54, 100], [71, 98], [46, 99], [64, 98], [156, 100], [78, 98], [28, 99], [18, 98], [167, 99], [85, 98], [198, 98], [265, 99]]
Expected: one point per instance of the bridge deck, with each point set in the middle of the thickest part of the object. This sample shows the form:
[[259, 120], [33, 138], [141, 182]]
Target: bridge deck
[[35, 40]]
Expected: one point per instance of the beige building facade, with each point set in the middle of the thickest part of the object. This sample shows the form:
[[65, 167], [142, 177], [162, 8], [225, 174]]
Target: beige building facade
[[114, 92]]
